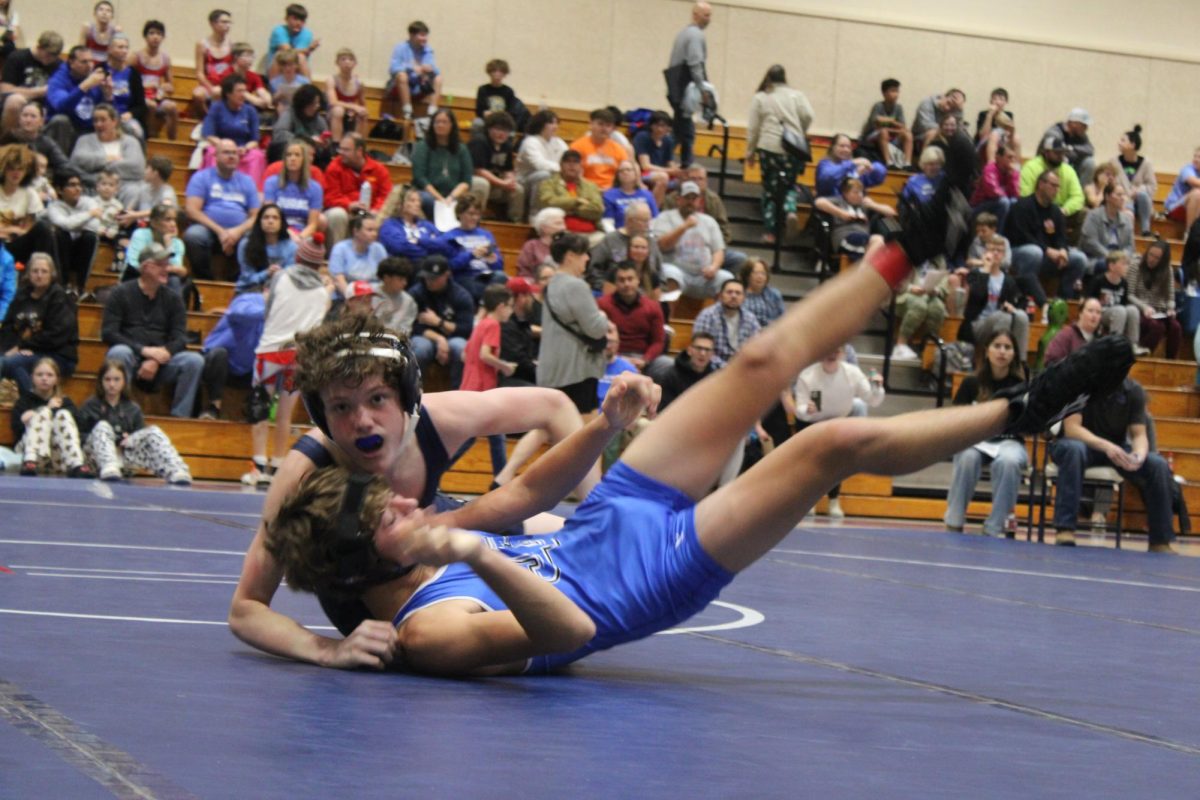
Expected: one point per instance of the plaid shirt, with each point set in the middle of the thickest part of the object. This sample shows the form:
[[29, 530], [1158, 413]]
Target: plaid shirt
[[712, 321], [766, 306]]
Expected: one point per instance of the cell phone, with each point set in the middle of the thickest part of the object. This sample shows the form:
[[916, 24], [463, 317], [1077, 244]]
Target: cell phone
[[816, 399]]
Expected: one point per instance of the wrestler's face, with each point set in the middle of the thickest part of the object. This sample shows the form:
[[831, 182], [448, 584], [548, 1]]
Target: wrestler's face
[[366, 422]]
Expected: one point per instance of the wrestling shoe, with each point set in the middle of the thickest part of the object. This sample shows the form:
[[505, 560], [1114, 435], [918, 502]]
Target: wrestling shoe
[[935, 228], [1096, 369]]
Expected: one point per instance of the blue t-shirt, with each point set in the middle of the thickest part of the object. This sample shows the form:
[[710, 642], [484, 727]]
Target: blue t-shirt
[[226, 202], [252, 276], [616, 201], [295, 202], [121, 98], [356, 266], [615, 367], [660, 154], [241, 126], [279, 82], [404, 58], [459, 245], [280, 35]]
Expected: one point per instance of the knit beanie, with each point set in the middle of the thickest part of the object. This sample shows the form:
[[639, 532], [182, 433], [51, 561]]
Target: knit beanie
[[311, 252]]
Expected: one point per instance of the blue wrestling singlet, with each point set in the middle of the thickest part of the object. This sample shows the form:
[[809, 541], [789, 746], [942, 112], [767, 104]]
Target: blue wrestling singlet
[[629, 557]]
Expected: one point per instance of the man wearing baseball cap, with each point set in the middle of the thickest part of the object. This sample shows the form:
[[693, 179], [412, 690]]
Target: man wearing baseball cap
[[1052, 152], [692, 245], [1080, 152], [445, 317], [519, 335]]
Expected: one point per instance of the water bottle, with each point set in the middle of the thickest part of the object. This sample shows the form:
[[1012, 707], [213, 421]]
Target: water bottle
[[364, 195]]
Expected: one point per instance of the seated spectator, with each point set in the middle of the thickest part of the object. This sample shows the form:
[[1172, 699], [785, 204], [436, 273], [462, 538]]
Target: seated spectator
[[947, 129], [1183, 203], [97, 34], [344, 193], [690, 367], [618, 135], [412, 73], [920, 308], [293, 35], [442, 167], [265, 250], [840, 164], [112, 210], [296, 192], [1120, 315], [214, 59], [693, 246], [163, 230], [919, 188], [994, 127], [155, 190], [654, 147], [1111, 432], [475, 258], [287, 79], [26, 76], [74, 91], [539, 156], [29, 131], [727, 322], [110, 148], [496, 97], [128, 95], [1070, 198], [1080, 152], [1102, 178], [1004, 455], [220, 204], [345, 98], [408, 233], [886, 130], [40, 323], [600, 153], [445, 317], [628, 190], [574, 194], [1137, 176], [638, 319], [357, 258], [994, 302], [1077, 334], [21, 228], [495, 176], [1152, 290], [145, 327], [547, 223], [154, 67], [519, 335], [932, 110], [998, 188], [115, 433], [396, 308], [302, 118], [257, 92], [709, 202], [615, 248], [1036, 229], [857, 219], [8, 280], [1107, 227], [76, 221], [44, 426], [234, 120], [571, 354], [762, 300]]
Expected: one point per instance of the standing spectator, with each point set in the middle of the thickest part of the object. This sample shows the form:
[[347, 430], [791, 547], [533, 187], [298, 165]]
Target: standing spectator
[[886, 122], [21, 228], [44, 426], [214, 61], [571, 356], [128, 94], [495, 166], [932, 110], [265, 250], [234, 120], [762, 300], [615, 248], [547, 224], [628, 190], [475, 258], [345, 97], [356, 258], [396, 309], [692, 243], [1077, 334], [40, 323], [220, 203], [154, 66], [840, 164], [110, 148], [776, 108], [294, 36], [407, 233], [74, 91], [730, 325], [574, 194], [1081, 154], [497, 97], [519, 335], [539, 156], [27, 74], [1036, 229], [1137, 176], [442, 167], [345, 194], [115, 433], [482, 362], [413, 75], [1183, 203], [163, 230], [601, 154], [1005, 455], [638, 319], [445, 318], [998, 188], [296, 192], [1152, 289], [1106, 228], [1120, 315], [994, 302], [76, 221], [654, 148], [686, 67]]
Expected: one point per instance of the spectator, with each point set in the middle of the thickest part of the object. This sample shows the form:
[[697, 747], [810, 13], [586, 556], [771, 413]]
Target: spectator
[[694, 246], [600, 153], [345, 98], [44, 426], [293, 36], [287, 80], [40, 323], [686, 69], [615, 249], [74, 91], [496, 97], [413, 75], [994, 126], [442, 167], [628, 190], [998, 188], [408, 234], [1111, 431], [27, 73], [919, 188], [265, 250], [21, 228], [8, 281], [1076, 335], [709, 202], [654, 148], [163, 230], [298, 195], [920, 307], [1137, 176], [1120, 315], [97, 35], [1107, 228], [153, 65], [76, 221], [344, 185], [692, 365], [155, 190], [445, 317], [116, 435], [947, 129], [213, 59], [357, 258], [1080, 152], [110, 148], [257, 92], [539, 156], [994, 302], [854, 233], [1070, 196], [1003, 134], [220, 203], [482, 362], [762, 300], [638, 319], [1036, 229], [574, 194], [475, 259], [1183, 203], [571, 356], [932, 110], [302, 118], [839, 164], [776, 108], [29, 131], [727, 322], [396, 309], [1102, 177], [1005, 455], [547, 223], [128, 94], [495, 176], [1152, 290], [886, 123], [234, 120], [229, 346], [519, 335], [10, 29]]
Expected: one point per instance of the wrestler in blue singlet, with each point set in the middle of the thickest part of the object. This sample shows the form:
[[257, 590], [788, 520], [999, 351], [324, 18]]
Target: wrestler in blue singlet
[[628, 557]]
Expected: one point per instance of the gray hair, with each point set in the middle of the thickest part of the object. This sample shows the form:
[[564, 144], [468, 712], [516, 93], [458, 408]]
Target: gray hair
[[545, 216]]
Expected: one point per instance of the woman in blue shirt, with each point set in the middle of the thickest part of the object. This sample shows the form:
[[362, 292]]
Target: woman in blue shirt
[[408, 234], [232, 117], [628, 189], [840, 164], [265, 250], [296, 193]]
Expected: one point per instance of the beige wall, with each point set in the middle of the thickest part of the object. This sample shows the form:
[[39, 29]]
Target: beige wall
[[1125, 62]]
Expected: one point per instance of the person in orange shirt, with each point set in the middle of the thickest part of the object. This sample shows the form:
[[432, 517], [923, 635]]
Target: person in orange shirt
[[601, 153]]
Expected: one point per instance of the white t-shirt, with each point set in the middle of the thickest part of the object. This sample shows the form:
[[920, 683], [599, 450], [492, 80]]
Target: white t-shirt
[[695, 248], [22, 203]]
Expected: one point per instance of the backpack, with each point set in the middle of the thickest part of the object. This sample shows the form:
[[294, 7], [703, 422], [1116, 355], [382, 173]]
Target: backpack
[[638, 120]]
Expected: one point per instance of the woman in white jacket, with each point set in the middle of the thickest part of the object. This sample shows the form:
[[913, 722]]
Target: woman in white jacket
[[541, 150], [775, 106]]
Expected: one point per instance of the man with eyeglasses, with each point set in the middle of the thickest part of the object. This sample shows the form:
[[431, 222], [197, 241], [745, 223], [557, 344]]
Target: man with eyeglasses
[[690, 366], [1037, 231]]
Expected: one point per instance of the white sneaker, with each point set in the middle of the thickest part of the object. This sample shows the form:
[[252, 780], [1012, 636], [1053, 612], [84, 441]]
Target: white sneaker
[[835, 509], [110, 473], [1138, 350], [180, 477], [903, 352]]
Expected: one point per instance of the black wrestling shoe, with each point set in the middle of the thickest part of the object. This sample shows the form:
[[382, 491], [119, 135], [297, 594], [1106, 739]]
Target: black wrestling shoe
[[935, 228], [1094, 370]]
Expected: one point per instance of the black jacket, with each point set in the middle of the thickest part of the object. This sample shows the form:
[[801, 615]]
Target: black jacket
[[46, 325], [681, 378]]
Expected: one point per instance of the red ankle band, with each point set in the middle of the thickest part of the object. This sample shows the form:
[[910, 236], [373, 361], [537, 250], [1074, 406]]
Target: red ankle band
[[892, 264]]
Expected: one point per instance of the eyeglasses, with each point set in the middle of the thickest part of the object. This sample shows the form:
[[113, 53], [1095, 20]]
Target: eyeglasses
[[700, 348]]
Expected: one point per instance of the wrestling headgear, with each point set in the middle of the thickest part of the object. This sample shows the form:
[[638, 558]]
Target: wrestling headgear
[[400, 371], [358, 565]]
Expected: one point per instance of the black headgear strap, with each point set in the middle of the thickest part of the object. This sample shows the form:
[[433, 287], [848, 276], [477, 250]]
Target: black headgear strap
[[358, 564]]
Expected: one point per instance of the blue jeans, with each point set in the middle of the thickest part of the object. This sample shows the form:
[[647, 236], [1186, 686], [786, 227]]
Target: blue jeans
[[1006, 471], [1030, 262], [1152, 479], [425, 351], [184, 370], [1143, 205], [18, 367]]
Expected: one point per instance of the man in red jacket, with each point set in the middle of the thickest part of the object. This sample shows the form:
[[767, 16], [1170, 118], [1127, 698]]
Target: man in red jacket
[[638, 318], [343, 185]]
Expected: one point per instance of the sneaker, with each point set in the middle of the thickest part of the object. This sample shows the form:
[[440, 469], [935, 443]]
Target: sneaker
[[212, 412], [82, 471], [1138, 350], [1162, 547], [29, 468], [835, 509], [1099, 521], [180, 477], [954, 528], [1064, 539], [111, 473], [903, 352], [1062, 389], [252, 478]]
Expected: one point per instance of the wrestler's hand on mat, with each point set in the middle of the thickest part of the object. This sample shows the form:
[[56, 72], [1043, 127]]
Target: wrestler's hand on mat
[[371, 644], [628, 397]]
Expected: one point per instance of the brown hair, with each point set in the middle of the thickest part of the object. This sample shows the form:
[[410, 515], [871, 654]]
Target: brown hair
[[18, 156], [321, 359], [111, 364]]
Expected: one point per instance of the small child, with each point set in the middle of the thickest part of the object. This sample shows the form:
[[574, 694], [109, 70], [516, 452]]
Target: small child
[[154, 65], [482, 364], [345, 97], [292, 35], [1120, 315], [116, 433], [97, 34], [396, 309], [44, 426], [41, 183], [107, 186], [287, 80], [853, 234]]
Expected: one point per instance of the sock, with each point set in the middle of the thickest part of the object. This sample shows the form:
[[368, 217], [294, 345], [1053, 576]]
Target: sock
[[407, 110], [892, 264], [431, 110], [260, 463]]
